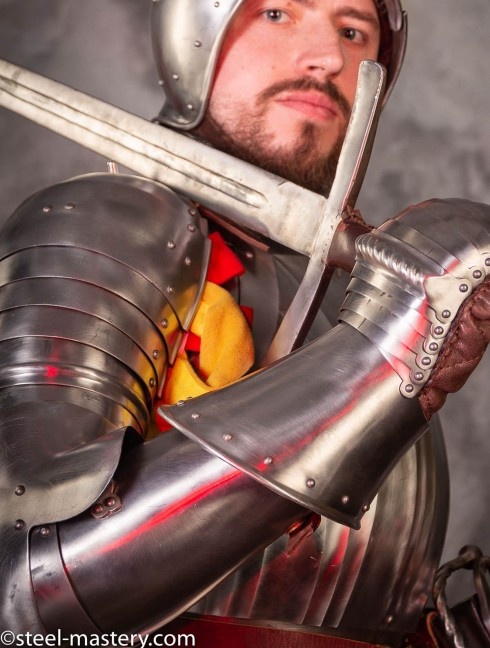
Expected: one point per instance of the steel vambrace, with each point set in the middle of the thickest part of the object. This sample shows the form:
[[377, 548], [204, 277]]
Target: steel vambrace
[[326, 426]]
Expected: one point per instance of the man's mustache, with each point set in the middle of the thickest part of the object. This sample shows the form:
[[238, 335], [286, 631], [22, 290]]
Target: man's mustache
[[328, 88]]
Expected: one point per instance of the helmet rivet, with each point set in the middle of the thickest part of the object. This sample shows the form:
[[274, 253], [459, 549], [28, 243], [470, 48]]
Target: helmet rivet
[[152, 382], [216, 4], [195, 415], [197, 43], [365, 508], [268, 461], [44, 531], [47, 208], [20, 490], [191, 228], [187, 261], [487, 262], [170, 290], [69, 206], [175, 77], [164, 323], [227, 436], [190, 107], [171, 245], [19, 525], [310, 483], [156, 354], [160, 82]]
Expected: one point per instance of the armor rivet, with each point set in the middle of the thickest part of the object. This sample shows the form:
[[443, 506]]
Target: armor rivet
[[268, 461], [175, 77], [191, 228], [20, 490], [171, 245], [193, 212], [160, 82], [19, 525], [110, 502], [197, 43], [249, 254], [156, 354], [433, 346], [170, 290], [365, 508], [227, 436], [190, 107], [47, 208], [390, 619], [187, 261], [419, 375], [446, 314], [195, 415], [438, 330], [44, 531], [180, 403], [216, 4], [152, 382], [463, 288], [477, 274], [409, 389], [487, 262], [426, 361], [345, 499], [97, 509], [164, 323], [69, 206], [310, 483]]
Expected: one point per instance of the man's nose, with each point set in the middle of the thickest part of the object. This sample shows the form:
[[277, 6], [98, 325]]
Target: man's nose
[[319, 54]]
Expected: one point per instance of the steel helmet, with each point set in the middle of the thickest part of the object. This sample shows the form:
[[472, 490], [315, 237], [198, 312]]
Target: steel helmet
[[187, 37]]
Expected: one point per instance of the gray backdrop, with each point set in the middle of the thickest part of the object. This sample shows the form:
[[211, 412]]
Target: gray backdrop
[[434, 140]]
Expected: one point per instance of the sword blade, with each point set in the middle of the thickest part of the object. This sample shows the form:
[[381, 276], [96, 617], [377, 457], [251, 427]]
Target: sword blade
[[251, 197]]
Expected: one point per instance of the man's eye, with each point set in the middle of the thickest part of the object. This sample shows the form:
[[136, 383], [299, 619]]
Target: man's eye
[[275, 15], [351, 34]]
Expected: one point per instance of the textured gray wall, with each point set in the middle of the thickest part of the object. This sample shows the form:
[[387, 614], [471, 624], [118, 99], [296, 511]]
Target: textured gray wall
[[434, 140]]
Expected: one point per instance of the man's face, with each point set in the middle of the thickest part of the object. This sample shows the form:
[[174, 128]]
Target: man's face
[[285, 82]]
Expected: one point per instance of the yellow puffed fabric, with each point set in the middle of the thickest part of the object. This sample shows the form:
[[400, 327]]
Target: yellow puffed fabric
[[227, 350]]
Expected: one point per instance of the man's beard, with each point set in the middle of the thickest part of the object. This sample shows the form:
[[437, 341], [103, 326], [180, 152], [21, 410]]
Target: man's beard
[[301, 163]]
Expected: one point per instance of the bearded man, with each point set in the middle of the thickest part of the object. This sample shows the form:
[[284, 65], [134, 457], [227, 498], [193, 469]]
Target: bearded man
[[250, 518]]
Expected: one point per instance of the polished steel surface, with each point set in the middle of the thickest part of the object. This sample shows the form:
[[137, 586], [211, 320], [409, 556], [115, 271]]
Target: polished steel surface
[[187, 41], [429, 260], [83, 353], [290, 426], [326, 577], [185, 523], [186, 520]]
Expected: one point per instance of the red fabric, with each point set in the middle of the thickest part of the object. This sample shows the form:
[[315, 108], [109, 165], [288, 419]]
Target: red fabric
[[223, 263]]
